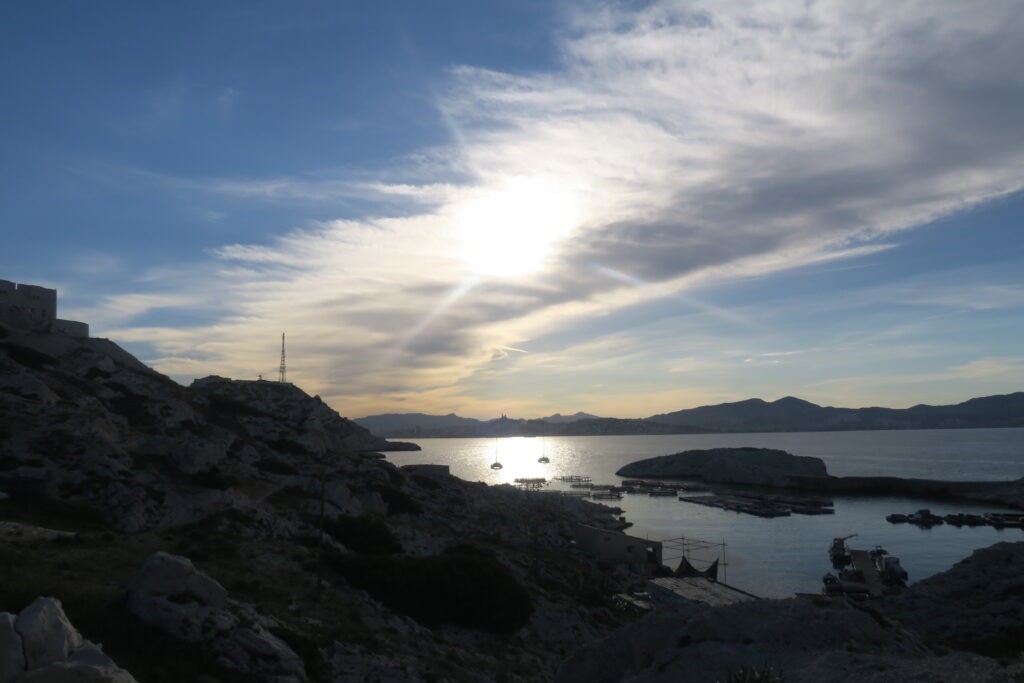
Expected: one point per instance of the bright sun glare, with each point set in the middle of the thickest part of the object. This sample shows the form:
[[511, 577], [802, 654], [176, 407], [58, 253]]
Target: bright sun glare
[[510, 232]]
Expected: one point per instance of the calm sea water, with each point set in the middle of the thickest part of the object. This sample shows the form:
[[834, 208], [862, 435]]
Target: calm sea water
[[781, 556]]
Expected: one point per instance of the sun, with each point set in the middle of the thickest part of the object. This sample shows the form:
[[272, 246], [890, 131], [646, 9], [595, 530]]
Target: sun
[[511, 231]]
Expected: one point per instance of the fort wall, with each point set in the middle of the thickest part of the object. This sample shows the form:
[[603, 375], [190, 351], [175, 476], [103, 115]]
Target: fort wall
[[35, 308]]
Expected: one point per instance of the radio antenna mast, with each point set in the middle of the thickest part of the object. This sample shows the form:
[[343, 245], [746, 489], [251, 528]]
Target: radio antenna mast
[[282, 371]]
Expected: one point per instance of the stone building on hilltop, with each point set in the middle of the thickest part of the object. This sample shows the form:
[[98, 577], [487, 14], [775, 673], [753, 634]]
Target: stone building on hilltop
[[35, 308]]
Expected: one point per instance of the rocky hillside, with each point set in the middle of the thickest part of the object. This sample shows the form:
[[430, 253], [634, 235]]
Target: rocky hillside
[[85, 422], [963, 625], [244, 531]]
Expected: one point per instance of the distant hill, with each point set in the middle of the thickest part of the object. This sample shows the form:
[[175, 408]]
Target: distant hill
[[419, 424], [791, 414], [413, 425], [558, 418], [787, 414]]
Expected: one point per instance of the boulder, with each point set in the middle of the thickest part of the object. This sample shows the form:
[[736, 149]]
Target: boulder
[[171, 595], [752, 466], [41, 645], [46, 634], [175, 578]]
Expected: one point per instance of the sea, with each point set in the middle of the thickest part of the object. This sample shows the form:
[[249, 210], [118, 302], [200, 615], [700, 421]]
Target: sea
[[784, 555]]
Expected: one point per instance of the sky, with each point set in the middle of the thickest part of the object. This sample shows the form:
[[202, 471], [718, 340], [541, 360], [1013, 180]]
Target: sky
[[529, 207]]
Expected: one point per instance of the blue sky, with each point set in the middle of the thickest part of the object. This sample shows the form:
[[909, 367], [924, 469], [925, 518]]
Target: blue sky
[[529, 207]]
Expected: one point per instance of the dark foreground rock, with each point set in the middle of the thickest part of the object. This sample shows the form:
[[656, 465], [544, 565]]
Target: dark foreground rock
[[800, 640], [752, 466], [978, 604], [169, 594], [41, 645]]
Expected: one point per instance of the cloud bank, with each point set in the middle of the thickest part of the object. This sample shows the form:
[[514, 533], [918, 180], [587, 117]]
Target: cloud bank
[[693, 141]]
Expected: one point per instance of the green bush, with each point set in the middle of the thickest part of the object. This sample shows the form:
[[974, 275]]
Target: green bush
[[455, 588], [363, 535]]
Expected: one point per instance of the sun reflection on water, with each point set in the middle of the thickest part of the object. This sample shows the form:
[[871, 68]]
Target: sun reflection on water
[[518, 456]]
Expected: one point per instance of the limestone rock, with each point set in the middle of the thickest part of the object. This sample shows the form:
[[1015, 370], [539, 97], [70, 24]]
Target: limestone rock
[[42, 646], [754, 466], [47, 635], [170, 594], [175, 578], [12, 657]]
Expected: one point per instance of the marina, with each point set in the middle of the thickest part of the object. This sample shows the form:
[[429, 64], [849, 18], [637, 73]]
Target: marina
[[772, 556]]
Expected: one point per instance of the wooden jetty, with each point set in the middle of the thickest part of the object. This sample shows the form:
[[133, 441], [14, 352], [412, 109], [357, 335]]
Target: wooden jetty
[[863, 563]]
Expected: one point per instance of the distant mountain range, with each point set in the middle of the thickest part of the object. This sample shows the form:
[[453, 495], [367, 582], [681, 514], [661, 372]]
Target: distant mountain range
[[787, 414]]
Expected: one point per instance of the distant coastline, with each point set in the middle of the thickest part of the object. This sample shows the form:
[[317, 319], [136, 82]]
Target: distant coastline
[[751, 416]]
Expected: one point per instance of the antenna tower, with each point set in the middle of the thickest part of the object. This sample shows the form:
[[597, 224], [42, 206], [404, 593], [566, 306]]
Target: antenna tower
[[282, 372]]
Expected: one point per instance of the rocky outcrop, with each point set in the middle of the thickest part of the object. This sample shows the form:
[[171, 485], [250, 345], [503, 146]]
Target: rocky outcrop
[[40, 645], [86, 423], [752, 466], [171, 595], [978, 603], [282, 413], [804, 640]]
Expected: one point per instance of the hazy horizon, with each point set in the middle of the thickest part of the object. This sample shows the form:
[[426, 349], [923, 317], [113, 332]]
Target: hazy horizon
[[527, 208], [568, 413]]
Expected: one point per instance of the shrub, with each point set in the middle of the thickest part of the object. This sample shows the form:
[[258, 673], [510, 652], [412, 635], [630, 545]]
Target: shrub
[[363, 535], [28, 357], [225, 405], [213, 478], [275, 466], [288, 446], [398, 501], [426, 482], [307, 649], [455, 588]]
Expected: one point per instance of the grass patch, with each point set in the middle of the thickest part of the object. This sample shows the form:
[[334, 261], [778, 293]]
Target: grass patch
[[455, 588], [28, 505]]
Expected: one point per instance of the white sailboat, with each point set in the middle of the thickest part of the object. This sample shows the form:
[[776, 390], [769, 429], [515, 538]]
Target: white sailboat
[[496, 465]]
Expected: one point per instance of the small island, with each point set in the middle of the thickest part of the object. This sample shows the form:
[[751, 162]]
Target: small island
[[768, 467], [745, 465]]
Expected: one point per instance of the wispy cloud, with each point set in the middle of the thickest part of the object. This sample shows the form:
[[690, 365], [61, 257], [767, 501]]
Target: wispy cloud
[[700, 142]]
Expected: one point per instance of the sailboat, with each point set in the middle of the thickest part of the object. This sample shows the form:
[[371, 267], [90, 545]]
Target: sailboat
[[543, 456], [496, 465]]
